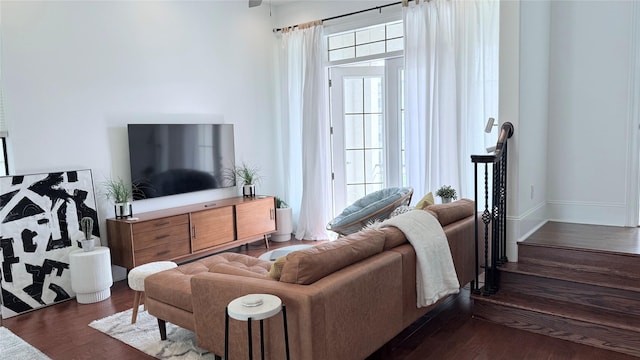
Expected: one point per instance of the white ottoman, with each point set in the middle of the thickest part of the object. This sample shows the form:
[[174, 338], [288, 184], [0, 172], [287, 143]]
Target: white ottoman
[[91, 278], [136, 281]]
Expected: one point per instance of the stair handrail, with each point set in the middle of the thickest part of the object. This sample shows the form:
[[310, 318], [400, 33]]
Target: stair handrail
[[497, 217]]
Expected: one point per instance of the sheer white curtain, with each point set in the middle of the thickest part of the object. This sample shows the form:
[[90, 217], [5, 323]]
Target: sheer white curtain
[[447, 95], [305, 130]]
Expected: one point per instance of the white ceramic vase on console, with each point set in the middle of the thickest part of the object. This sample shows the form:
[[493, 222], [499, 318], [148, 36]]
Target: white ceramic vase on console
[[284, 225]]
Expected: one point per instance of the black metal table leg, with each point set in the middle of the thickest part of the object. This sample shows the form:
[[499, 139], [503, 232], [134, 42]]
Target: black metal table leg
[[250, 339], [286, 331], [261, 340], [226, 334]]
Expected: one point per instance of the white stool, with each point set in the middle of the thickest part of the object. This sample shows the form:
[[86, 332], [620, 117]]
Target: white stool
[[255, 307], [136, 281], [91, 277]]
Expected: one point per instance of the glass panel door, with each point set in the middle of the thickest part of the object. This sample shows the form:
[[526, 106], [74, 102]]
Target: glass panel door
[[357, 109]]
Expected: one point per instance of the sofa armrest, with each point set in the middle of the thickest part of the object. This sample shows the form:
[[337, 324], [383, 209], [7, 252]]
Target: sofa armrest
[[338, 315]]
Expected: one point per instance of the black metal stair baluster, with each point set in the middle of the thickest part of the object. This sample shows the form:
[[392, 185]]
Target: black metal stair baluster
[[474, 283], [504, 258], [486, 219]]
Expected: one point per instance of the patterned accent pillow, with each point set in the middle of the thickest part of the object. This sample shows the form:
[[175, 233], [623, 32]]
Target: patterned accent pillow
[[400, 210]]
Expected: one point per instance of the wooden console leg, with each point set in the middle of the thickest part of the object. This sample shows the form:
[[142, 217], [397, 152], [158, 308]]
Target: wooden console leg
[[162, 326], [266, 242]]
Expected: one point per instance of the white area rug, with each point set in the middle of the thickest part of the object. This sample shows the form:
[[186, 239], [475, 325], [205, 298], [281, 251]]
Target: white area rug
[[144, 336], [13, 347]]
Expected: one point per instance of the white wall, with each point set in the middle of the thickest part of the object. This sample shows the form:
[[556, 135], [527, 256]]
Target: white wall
[[75, 73], [565, 70], [524, 102], [589, 109]]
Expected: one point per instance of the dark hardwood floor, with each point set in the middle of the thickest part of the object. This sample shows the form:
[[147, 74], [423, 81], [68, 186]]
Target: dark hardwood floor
[[449, 332]]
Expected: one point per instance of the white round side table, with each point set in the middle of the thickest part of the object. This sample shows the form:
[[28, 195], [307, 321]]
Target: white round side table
[[91, 277], [255, 307]]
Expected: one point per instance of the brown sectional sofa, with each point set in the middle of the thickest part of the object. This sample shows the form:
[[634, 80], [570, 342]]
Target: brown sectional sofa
[[345, 299]]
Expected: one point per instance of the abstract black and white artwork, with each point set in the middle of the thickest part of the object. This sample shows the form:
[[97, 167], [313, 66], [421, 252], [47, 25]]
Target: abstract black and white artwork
[[39, 225]]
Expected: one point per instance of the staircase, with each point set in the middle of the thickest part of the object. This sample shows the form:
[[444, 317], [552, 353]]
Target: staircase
[[588, 296]]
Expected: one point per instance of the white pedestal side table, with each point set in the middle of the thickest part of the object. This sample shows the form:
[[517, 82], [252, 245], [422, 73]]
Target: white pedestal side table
[[91, 277], [255, 307]]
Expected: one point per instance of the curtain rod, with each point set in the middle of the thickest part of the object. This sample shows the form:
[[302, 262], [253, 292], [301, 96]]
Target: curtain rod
[[379, 8]]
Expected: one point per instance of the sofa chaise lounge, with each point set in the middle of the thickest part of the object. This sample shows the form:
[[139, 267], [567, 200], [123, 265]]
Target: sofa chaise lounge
[[345, 299]]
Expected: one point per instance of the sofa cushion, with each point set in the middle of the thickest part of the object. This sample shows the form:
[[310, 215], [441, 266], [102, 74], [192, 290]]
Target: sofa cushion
[[307, 266], [240, 264], [173, 286], [453, 211]]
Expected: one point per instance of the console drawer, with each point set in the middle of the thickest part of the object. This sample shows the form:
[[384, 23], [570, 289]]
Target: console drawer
[[162, 236], [140, 228], [166, 251]]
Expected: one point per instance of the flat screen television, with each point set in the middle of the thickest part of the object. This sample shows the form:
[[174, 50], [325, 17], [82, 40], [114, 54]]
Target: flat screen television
[[169, 159]]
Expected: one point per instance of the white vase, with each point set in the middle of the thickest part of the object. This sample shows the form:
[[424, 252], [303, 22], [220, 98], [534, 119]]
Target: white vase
[[249, 190], [88, 245], [446, 200], [123, 210], [284, 225]]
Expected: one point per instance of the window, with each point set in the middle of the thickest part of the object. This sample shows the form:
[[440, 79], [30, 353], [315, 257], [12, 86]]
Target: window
[[376, 41], [366, 72]]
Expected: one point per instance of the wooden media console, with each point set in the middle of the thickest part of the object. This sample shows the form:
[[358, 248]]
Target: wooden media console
[[189, 232]]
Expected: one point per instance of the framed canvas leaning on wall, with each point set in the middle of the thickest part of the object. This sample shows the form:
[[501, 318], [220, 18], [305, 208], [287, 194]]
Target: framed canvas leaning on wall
[[39, 226]]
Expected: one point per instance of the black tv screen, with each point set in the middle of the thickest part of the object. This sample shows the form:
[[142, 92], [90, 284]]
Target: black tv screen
[[169, 159]]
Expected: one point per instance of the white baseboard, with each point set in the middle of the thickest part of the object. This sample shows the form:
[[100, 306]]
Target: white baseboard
[[521, 227], [612, 214]]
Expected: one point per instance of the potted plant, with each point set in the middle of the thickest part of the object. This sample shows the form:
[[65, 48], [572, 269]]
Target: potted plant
[[284, 222], [447, 193], [89, 241], [120, 193], [248, 177]]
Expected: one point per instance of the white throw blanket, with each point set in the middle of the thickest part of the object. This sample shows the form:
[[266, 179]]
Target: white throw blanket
[[435, 274]]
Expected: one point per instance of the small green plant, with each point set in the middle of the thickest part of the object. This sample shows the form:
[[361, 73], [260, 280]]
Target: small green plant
[[86, 224], [117, 191], [281, 204], [447, 192], [245, 174]]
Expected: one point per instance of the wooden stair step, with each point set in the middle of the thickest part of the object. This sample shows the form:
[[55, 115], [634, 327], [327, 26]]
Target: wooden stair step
[[587, 260], [574, 282], [564, 285], [615, 239], [565, 309], [552, 321], [608, 280]]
